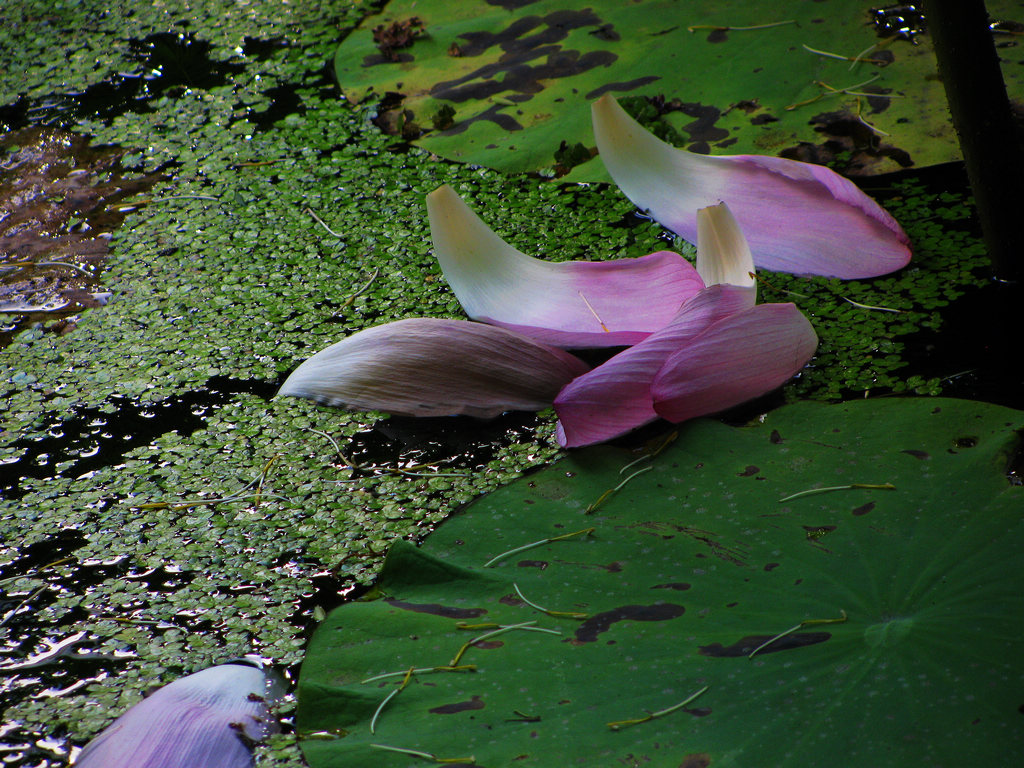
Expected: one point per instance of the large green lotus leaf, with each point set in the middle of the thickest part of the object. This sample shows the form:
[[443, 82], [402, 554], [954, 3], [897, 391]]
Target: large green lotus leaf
[[691, 566], [520, 76]]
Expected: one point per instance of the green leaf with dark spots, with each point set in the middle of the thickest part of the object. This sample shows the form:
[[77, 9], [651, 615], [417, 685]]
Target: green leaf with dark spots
[[815, 81], [838, 580]]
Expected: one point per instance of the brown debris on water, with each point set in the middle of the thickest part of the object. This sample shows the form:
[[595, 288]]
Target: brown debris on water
[[58, 206]]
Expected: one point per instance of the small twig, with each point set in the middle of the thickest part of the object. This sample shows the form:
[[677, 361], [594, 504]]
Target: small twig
[[542, 542], [526, 625], [386, 470], [179, 197], [770, 284], [616, 725], [33, 594], [376, 713], [146, 201], [611, 491], [664, 444], [859, 57], [863, 121], [421, 671], [25, 264], [522, 717], [26, 309], [855, 59], [426, 474], [869, 306], [354, 296], [812, 491], [389, 697], [944, 378], [848, 90], [37, 570], [426, 755], [695, 27], [804, 103], [593, 312], [633, 463], [791, 630], [321, 222], [333, 442], [75, 267], [241, 494], [549, 612], [832, 91], [263, 477], [188, 504]]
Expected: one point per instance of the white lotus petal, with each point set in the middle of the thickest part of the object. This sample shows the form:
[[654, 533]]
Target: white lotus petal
[[205, 720], [436, 367]]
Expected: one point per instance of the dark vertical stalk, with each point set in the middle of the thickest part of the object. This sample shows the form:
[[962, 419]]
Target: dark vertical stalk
[[969, 68]]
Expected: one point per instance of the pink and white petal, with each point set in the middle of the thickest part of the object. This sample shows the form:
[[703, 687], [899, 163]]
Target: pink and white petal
[[435, 367], [204, 719], [723, 255], [610, 400], [615, 397], [568, 304], [797, 217], [737, 359]]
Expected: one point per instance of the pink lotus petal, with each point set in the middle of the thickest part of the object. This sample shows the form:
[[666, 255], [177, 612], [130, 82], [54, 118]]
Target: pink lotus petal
[[798, 217], [615, 397], [199, 720], [735, 360], [435, 367], [567, 304]]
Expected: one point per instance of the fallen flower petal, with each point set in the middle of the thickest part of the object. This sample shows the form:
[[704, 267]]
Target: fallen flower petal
[[207, 719], [435, 367], [798, 217], [723, 255], [615, 397], [568, 304], [735, 360]]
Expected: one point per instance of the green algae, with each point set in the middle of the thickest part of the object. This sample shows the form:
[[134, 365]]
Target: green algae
[[225, 273]]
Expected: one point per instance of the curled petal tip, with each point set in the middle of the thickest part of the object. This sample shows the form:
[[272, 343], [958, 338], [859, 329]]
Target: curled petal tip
[[435, 367], [723, 255], [797, 217], [567, 304]]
